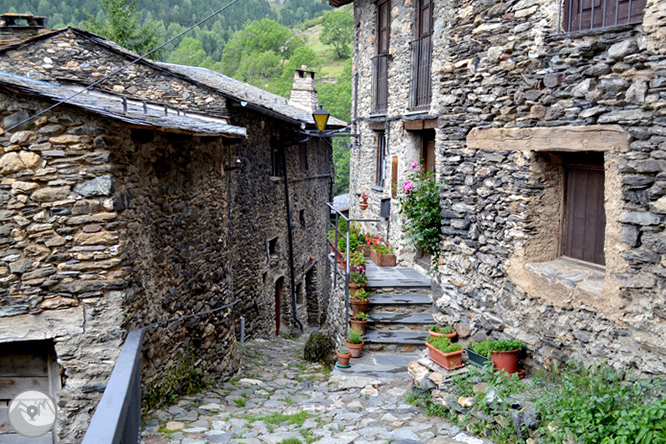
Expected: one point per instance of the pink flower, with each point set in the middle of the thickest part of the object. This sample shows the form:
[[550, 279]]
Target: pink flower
[[415, 165], [408, 186]]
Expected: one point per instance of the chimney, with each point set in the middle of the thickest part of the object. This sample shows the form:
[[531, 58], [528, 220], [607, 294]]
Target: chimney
[[15, 28], [303, 91]]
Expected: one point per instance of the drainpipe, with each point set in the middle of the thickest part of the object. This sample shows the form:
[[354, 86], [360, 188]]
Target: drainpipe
[[290, 235]]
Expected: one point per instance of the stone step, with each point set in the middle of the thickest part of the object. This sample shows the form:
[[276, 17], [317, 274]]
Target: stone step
[[400, 299], [395, 337], [378, 283], [401, 318]]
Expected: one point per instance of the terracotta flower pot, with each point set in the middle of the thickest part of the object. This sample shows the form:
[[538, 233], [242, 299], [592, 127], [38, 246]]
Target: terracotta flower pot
[[449, 361], [435, 334], [385, 260], [358, 306], [505, 360], [354, 287], [358, 325], [364, 206], [339, 256], [366, 251], [343, 359], [355, 349]]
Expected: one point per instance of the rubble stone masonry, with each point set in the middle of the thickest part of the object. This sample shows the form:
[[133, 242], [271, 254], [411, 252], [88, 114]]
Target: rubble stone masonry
[[503, 66]]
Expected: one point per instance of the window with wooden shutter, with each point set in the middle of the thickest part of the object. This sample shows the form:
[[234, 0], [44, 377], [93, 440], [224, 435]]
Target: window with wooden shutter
[[585, 216], [580, 15], [381, 158], [380, 61]]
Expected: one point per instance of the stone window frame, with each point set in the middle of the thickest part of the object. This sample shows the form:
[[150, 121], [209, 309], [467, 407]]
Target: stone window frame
[[535, 262]]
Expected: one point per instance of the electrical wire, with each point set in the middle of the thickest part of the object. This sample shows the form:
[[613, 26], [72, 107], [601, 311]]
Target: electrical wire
[[231, 3]]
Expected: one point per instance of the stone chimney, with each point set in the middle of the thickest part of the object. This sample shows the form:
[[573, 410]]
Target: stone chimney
[[303, 91], [15, 28]]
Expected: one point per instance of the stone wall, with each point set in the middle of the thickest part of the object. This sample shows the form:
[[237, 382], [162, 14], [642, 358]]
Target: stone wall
[[503, 66], [106, 229], [71, 55], [258, 219]]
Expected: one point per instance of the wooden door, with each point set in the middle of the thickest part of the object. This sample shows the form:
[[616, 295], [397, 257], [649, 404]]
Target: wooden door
[[278, 302], [428, 151], [585, 217]]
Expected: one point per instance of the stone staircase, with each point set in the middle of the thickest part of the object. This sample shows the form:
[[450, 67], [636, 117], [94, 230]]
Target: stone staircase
[[400, 309]]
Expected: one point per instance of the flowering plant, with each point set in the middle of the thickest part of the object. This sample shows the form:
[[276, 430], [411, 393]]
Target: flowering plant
[[379, 245], [357, 277], [360, 295], [357, 259], [420, 204], [364, 198]]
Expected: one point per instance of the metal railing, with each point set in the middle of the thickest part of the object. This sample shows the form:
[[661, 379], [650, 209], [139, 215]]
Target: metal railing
[[584, 15], [420, 60], [117, 418], [380, 83], [336, 252]]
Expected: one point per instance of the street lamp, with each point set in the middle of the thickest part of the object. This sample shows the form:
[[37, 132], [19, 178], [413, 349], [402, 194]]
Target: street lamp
[[320, 117]]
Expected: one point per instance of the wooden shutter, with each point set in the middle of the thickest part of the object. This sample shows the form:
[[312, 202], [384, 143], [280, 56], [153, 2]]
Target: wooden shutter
[[383, 27], [381, 158], [585, 217]]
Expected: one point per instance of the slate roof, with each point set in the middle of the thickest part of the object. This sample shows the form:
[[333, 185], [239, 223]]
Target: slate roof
[[249, 93], [260, 100], [112, 106]]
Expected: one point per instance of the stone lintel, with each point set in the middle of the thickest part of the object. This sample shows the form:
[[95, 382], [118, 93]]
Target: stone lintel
[[421, 124], [569, 138], [46, 325]]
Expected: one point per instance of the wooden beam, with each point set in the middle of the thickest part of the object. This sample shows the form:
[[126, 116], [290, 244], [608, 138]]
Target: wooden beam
[[377, 126], [571, 139]]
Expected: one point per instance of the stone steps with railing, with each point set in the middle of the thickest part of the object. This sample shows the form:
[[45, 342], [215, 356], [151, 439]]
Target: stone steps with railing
[[399, 309]]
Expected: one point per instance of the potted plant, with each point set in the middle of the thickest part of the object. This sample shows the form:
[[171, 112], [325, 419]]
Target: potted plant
[[344, 355], [437, 331], [359, 301], [355, 343], [479, 352], [444, 353], [381, 253], [358, 278], [364, 202], [504, 354], [359, 322]]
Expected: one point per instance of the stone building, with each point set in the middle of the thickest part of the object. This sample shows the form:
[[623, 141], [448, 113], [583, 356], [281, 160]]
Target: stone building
[[546, 120], [158, 193]]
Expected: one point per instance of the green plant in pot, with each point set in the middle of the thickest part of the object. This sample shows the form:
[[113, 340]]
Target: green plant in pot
[[358, 278], [359, 322], [355, 343], [502, 352], [344, 355], [358, 300], [444, 353], [437, 331]]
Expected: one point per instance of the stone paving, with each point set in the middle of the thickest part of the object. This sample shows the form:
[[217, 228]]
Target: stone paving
[[280, 399]]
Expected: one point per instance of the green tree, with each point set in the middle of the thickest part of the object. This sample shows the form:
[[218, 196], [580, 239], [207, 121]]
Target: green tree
[[122, 26], [190, 52], [259, 37], [337, 32]]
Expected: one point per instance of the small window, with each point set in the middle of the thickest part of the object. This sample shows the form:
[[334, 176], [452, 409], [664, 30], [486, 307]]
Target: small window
[[301, 218], [428, 151], [381, 158], [303, 156], [581, 15], [585, 217], [273, 246], [277, 169]]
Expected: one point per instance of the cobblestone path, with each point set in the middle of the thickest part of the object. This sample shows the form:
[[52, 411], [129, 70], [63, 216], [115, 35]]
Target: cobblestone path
[[280, 398]]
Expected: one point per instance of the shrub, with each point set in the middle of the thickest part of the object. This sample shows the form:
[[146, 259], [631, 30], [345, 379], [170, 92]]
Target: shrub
[[420, 204], [318, 347]]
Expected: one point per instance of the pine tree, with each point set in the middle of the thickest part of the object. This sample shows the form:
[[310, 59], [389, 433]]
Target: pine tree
[[122, 26]]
